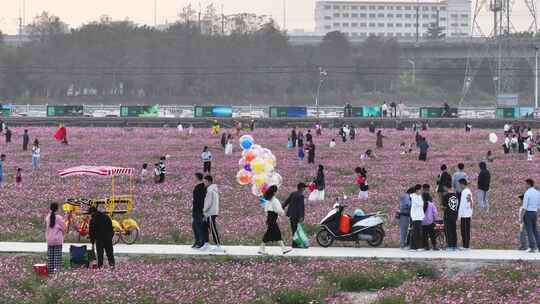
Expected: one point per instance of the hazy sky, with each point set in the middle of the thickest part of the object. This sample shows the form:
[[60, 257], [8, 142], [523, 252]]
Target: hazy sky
[[76, 12]]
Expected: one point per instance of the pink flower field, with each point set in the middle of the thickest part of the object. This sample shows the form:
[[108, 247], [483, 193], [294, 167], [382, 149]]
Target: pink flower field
[[164, 210]]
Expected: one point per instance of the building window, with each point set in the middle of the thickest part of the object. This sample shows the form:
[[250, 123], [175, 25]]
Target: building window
[[407, 34], [407, 25], [362, 7], [380, 25], [372, 24], [380, 15], [372, 15], [390, 16], [372, 34], [362, 24], [390, 34], [336, 24], [398, 34], [354, 7], [362, 15], [465, 24], [434, 8], [399, 15], [354, 15], [363, 34], [408, 16], [398, 8], [354, 24], [389, 25], [345, 25], [327, 7], [399, 25], [425, 8], [381, 8], [453, 15], [372, 7], [425, 16], [354, 34], [327, 27], [327, 17], [380, 34], [434, 16], [391, 8], [443, 18], [426, 24], [407, 8], [454, 24], [336, 15], [345, 15], [336, 7], [442, 8]]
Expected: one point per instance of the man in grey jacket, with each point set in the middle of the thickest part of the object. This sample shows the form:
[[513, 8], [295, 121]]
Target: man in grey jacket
[[211, 212], [404, 216], [458, 175]]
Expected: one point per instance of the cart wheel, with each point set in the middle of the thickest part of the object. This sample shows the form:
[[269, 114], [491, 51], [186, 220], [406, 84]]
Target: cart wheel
[[116, 237], [130, 236]]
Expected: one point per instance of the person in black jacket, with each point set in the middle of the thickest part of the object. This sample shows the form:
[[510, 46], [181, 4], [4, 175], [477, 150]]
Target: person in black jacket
[[309, 137], [296, 208], [311, 152], [444, 180], [293, 137], [101, 234], [484, 179], [199, 193]]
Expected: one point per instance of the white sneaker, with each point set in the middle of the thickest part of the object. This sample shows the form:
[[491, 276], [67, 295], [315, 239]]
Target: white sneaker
[[531, 250], [218, 249], [205, 247]]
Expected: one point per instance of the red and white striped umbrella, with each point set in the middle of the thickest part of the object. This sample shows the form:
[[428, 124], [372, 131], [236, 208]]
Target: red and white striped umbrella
[[96, 170]]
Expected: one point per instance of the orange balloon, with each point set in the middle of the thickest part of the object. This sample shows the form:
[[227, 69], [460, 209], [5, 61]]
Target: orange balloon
[[245, 179], [250, 156]]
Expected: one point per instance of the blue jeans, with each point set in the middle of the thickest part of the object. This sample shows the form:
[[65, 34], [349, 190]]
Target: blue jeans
[[529, 220], [35, 163], [483, 199], [198, 229], [404, 222]]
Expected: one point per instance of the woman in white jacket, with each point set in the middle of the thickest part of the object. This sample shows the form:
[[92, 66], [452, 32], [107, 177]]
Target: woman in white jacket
[[211, 212], [417, 216], [273, 209]]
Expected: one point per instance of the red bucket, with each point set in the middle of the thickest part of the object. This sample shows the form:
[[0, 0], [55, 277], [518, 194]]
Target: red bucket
[[41, 270]]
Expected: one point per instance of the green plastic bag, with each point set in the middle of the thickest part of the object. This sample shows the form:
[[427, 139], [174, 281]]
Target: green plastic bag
[[300, 238]]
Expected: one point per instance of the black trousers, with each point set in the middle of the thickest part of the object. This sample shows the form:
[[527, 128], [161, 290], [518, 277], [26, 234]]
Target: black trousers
[[466, 231], [107, 246], [207, 167], [429, 233], [416, 237], [210, 226], [450, 228], [422, 156]]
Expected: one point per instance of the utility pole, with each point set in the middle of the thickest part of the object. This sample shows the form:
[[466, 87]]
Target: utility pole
[[155, 13], [222, 22], [322, 77], [417, 22], [284, 15], [536, 77], [200, 28]]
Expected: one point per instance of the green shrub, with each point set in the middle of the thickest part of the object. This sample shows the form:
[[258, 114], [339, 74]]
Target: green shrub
[[391, 300], [360, 281], [293, 297], [428, 272]]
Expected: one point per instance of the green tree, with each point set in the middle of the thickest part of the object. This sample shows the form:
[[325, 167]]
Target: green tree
[[46, 27]]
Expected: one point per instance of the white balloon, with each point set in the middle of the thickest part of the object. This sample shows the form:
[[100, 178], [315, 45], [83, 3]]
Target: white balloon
[[493, 138]]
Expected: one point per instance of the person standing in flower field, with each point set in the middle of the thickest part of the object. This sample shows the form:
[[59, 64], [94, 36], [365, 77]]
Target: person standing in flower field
[[451, 208], [211, 212], [320, 184], [295, 208], [199, 194], [380, 137], [18, 176], [206, 157], [423, 146], [417, 216], [309, 137], [2, 159], [26, 140], [162, 169], [36, 154], [143, 173], [311, 152], [428, 223], [404, 216], [465, 213], [484, 180], [529, 210], [458, 175], [55, 228], [8, 135], [273, 210], [101, 234], [293, 137], [522, 235], [361, 181], [300, 139], [444, 180]]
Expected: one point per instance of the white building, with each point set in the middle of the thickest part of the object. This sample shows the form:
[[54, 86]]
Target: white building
[[402, 20]]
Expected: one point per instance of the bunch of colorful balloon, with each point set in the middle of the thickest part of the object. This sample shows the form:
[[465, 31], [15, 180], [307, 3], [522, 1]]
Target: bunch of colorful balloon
[[257, 167]]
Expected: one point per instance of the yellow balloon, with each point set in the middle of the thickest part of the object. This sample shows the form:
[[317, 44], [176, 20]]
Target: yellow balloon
[[257, 165], [259, 180]]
